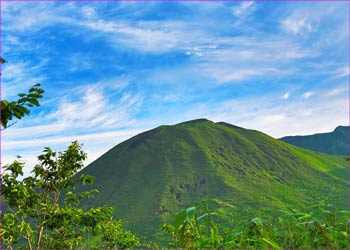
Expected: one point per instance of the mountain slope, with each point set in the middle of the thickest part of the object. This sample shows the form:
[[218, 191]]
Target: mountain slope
[[153, 174], [335, 143]]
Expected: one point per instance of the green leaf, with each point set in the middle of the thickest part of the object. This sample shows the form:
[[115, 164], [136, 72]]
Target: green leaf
[[190, 212], [202, 216], [34, 102], [271, 243], [86, 179], [180, 218]]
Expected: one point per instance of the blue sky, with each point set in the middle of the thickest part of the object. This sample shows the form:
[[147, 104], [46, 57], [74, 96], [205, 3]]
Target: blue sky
[[113, 69]]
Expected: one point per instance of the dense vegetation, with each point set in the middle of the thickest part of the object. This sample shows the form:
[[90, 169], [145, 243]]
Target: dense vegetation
[[166, 169], [43, 210], [335, 143], [318, 225]]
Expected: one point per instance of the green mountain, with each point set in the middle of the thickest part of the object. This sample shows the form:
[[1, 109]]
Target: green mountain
[[152, 175], [335, 143]]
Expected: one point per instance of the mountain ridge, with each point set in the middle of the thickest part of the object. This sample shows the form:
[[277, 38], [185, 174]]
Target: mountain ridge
[[336, 142]]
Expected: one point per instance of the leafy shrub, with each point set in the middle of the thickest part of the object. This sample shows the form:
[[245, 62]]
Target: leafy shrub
[[43, 210]]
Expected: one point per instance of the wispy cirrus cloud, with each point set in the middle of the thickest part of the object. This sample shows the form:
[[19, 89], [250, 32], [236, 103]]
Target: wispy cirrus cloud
[[267, 113], [297, 25], [31, 16], [343, 72], [242, 8], [91, 119], [94, 144], [151, 36], [20, 75], [307, 95], [94, 109]]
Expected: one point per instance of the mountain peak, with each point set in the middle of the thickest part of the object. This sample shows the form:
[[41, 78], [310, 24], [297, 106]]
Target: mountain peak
[[204, 120], [199, 120], [342, 128]]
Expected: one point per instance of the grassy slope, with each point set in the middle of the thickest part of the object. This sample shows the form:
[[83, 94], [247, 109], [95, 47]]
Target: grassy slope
[[152, 175], [336, 142]]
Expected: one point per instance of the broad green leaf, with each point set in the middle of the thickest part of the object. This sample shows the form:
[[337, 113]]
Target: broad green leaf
[[271, 243], [190, 212], [180, 218]]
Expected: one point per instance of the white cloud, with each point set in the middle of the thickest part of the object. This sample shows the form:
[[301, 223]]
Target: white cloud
[[334, 92], [242, 8], [13, 70], [225, 59], [241, 58], [338, 91], [155, 37], [307, 95], [95, 109], [88, 11], [286, 95], [227, 74], [94, 144], [276, 118], [57, 140], [92, 119], [103, 26], [169, 98], [84, 111], [16, 133], [297, 25], [306, 112], [32, 16], [78, 62], [270, 120], [343, 72], [19, 76]]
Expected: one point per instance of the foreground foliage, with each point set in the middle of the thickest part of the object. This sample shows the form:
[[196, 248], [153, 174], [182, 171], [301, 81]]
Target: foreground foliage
[[318, 225], [43, 210], [20, 107]]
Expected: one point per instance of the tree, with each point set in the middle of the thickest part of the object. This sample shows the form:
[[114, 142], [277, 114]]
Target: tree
[[20, 108], [44, 210]]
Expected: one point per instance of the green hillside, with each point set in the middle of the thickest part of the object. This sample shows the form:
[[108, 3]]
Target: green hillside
[[152, 175], [335, 143]]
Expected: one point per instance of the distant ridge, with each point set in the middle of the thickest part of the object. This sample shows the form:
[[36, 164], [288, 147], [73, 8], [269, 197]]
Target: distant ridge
[[336, 142]]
